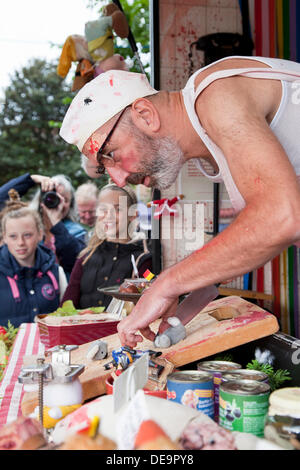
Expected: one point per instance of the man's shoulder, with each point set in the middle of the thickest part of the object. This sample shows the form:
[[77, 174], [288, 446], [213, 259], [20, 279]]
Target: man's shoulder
[[230, 63], [236, 97]]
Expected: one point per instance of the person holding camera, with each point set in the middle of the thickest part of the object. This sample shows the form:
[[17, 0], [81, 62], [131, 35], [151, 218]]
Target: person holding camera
[[31, 282], [56, 202]]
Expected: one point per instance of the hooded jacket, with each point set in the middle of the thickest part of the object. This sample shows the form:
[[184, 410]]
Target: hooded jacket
[[27, 292]]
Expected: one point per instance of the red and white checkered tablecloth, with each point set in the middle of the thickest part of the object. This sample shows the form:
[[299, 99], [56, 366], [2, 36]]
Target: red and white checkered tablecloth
[[27, 342]]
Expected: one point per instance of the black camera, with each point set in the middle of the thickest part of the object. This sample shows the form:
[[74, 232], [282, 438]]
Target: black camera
[[50, 199]]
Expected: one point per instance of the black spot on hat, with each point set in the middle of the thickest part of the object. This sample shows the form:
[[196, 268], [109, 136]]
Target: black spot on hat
[[87, 101]]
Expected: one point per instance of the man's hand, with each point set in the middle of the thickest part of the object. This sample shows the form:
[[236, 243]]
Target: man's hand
[[47, 184], [156, 302]]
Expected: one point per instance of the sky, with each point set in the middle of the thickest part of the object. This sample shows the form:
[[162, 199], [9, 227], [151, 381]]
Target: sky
[[28, 27]]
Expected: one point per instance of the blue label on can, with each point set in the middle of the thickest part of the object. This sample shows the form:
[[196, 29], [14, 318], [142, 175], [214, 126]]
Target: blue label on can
[[197, 395]]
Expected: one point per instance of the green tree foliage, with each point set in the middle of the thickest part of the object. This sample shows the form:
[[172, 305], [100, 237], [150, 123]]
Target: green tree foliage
[[35, 100]]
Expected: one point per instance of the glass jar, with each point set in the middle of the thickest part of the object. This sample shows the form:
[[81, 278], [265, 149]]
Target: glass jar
[[283, 421]]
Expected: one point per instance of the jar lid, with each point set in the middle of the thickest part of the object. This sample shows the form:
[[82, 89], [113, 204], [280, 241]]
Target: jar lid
[[285, 401]]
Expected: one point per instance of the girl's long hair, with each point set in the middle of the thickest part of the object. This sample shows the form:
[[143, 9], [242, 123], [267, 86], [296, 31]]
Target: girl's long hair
[[95, 241]]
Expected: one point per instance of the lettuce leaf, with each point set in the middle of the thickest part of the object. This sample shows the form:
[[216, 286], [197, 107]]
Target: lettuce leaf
[[68, 309]]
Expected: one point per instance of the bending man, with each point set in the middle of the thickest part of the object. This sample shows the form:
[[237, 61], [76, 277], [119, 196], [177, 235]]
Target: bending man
[[240, 114]]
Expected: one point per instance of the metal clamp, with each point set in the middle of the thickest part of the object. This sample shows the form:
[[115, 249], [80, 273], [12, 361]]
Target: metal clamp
[[61, 354], [37, 373]]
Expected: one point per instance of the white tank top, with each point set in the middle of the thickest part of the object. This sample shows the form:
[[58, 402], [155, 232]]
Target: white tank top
[[285, 125]]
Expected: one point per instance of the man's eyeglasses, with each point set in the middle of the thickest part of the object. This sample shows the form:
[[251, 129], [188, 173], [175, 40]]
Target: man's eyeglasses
[[109, 160]]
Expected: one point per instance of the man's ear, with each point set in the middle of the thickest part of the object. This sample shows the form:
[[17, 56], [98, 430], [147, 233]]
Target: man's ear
[[145, 115]]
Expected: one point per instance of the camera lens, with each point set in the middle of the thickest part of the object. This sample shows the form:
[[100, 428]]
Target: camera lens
[[50, 199]]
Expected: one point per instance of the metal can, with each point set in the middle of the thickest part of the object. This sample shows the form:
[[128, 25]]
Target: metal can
[[244, 406], [245, 374], [217, 368], [192, 388]]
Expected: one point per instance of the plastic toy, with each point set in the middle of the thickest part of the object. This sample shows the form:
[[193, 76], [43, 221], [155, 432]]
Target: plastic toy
[[124, 356], [94, 52]]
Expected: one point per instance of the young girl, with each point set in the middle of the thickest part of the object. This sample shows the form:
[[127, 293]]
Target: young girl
[[106, 261], [30, 279]]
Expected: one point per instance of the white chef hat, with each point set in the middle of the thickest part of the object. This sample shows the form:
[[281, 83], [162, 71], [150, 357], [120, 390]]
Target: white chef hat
[[99, 100]]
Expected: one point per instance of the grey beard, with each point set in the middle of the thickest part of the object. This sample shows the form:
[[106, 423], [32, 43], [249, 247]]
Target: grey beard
[[163, 162]]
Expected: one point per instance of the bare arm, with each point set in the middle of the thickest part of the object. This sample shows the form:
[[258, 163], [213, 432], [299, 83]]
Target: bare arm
[[269, 222]]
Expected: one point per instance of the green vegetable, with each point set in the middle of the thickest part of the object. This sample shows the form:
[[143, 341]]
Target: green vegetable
[[6, 344], [276, 378], [226, 357], [67, 309], [3, 352]]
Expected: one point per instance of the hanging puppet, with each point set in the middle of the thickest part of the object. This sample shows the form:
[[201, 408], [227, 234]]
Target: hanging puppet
[[94, 52]]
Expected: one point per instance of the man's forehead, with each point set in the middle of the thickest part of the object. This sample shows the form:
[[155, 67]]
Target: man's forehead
[[91, 202]]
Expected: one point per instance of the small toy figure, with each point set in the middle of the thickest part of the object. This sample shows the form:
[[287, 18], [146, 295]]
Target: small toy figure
[[165, 206], [99, 33], [125, 356], [94, 52]]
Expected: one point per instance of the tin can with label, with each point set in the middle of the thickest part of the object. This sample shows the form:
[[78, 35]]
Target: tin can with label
[[244, 406], [217, 368], [245, 374], [192, 388]]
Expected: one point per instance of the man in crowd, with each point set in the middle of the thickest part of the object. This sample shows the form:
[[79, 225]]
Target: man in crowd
[[86, 196], [241, 115]]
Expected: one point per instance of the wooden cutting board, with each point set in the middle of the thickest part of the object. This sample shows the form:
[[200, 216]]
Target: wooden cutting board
[[210, 332]]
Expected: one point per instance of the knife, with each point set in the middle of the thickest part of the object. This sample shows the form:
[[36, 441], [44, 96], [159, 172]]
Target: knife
[[195, 302], [186, 311]]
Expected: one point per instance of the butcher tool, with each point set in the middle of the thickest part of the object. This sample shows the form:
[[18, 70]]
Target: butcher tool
[[186, 311]]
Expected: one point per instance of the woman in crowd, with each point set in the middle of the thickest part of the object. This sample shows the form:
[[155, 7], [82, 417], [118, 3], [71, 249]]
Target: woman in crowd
[[106, 261], [31, 282], [63, 233]]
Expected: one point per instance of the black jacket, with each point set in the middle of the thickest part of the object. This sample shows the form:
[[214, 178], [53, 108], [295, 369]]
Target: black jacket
[[108, 266]]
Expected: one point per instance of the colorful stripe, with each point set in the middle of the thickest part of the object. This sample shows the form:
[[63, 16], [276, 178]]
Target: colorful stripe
[[290, 253], [11, 391], [265, 28], [293, 30], [260, 283], [286, 28], [297, 19], [277, 35], [279, 10], [276, 286], [272, 27], [258, 26], [296, 296]]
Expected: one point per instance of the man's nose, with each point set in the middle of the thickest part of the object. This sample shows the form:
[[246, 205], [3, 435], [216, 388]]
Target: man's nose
[[118, 175]]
